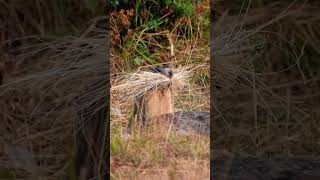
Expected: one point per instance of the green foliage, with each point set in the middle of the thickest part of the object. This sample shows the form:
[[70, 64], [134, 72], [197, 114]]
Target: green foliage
[[150, 11], [153, 24], [140, 26], [117, 4], [115, 145], [184, 8], [168, 2], [7, 174]]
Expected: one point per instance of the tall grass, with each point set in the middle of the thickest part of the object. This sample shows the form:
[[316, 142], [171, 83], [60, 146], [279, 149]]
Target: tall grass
[[56, 53], [261, 57], [71, 78], [52, 18]]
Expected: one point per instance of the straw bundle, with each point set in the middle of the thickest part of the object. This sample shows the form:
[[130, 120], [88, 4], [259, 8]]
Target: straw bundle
[[136, 84]]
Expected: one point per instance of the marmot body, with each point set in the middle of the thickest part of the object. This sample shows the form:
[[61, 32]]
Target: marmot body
[[152, 105]]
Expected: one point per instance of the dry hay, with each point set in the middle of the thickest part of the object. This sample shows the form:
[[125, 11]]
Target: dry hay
[[125, 89], [138, 83]]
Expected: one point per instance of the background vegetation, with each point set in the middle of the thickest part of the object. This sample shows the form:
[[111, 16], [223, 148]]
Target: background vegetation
[[142, 32], [266, 59], [52, 64]]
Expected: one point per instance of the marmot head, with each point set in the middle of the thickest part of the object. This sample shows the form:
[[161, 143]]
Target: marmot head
[[164, 71]]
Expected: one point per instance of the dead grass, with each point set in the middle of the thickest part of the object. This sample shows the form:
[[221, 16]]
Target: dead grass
[[40, 99], [135, 84], [260, 91], [146, 155], [180, 169]]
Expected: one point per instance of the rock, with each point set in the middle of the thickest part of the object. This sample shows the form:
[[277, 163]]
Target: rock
[[191, 121]]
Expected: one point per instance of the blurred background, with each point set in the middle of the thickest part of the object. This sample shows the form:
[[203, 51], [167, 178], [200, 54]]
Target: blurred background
[[266, 78], [52, 65]]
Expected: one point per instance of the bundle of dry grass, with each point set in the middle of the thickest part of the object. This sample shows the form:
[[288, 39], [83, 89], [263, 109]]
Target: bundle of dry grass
[[150, 94], [136, 84]]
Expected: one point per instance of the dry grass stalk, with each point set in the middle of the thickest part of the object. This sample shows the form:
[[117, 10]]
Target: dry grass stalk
[[138, 83]]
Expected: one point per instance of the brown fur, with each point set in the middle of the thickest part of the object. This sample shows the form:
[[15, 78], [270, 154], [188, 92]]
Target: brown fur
[[150, 107]]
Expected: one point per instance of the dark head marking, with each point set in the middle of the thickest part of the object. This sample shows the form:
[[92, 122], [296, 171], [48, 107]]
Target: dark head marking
[[164, 71]]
